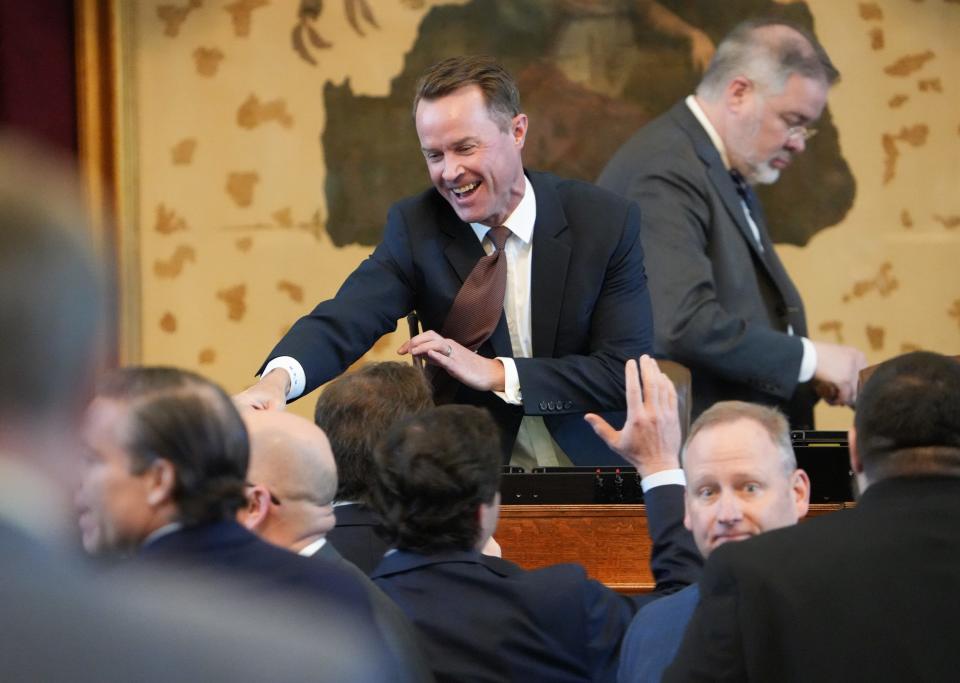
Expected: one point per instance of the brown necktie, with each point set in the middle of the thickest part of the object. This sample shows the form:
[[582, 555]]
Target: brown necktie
[[477, 307]]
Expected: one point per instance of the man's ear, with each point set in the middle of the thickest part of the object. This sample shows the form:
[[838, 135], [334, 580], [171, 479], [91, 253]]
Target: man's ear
[[161, 480], [856, 464], [254, 514], [518, 129], [739, 91], [800, 483]]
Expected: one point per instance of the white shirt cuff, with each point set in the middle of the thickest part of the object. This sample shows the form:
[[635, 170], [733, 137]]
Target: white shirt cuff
[[511, 383], [808, 364], [663, 478], [298, 378]]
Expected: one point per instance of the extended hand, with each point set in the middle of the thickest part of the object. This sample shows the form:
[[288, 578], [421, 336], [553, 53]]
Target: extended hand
[[477, 372], [650, 438], [838, 372], [269, 393]]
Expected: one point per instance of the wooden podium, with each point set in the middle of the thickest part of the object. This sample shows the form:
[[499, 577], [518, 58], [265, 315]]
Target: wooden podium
[[611, 541]]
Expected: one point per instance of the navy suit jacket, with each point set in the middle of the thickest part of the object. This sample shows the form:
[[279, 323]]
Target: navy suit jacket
[[590, 310], [721, 304], [655, 635], [486, 619], [355, 537], [866, 594], [228, 547], [395, 628]]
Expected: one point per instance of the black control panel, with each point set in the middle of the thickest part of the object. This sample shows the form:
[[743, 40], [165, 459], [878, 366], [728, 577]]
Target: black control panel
[[824, 456]]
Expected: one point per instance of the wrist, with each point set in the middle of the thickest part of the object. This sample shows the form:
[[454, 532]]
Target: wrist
[[279, 379], [498, 376]]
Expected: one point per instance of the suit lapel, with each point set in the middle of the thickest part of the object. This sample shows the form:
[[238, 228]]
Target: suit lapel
[[551, 256], [725, 187]]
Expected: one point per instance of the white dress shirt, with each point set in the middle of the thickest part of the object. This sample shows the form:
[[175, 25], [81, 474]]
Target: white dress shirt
[[311, 549], [534, 445]]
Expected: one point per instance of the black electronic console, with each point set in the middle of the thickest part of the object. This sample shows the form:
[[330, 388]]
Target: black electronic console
[[571, 486], [825, 456], [822, 454]]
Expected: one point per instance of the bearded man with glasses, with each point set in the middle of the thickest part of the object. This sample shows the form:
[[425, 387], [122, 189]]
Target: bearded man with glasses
[[723, 303]]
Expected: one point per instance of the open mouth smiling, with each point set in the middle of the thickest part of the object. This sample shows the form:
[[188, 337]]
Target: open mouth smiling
[[464, 191]]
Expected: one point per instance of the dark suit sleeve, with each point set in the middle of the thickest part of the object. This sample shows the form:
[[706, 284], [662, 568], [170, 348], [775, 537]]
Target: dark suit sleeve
[[620, 324], [712, 648], [367, 306], [692, 324], [675, 561]]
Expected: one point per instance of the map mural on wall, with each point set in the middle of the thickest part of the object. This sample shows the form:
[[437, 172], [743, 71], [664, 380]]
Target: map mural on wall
[[590, 73]]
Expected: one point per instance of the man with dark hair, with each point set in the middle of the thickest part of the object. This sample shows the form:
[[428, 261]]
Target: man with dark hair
[[862, 594], [723, 303], [530, 288], [165, 478], [355, 411], [483, 618]]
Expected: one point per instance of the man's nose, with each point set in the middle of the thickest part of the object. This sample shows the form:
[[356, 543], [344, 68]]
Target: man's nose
[[728, 508], [796, 144], [451, 168]]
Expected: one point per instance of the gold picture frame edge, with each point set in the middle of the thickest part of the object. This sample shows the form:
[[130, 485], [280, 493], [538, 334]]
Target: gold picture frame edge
[[106, 122]]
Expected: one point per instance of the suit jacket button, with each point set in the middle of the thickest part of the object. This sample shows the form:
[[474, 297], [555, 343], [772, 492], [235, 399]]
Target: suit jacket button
[[567, 405], [543, 405], [551, 405]]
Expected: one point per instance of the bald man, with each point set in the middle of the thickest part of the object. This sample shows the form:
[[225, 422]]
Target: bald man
[[291, 482]]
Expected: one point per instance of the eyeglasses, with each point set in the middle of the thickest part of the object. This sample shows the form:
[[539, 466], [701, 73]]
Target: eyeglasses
[[273, 498], [801, 132]]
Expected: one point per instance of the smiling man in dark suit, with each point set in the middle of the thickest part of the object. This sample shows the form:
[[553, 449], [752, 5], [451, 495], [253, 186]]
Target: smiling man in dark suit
[[723, 303], [562, 300]]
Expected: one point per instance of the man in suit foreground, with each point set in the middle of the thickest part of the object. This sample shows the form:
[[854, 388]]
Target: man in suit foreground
[[742, 480], [564, 300], [290, 486], [355, 411], [165, 478], [483, 618], [863, 594], [723, 303], [59, 624]]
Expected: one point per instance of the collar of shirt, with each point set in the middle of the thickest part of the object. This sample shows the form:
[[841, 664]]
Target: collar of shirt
[[161, 532], [520, 221], [695, 109], [311, 550]]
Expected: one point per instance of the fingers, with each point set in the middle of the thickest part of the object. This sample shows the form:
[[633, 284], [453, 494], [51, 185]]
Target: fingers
[[415, 344], [633, 390], [651, 382]]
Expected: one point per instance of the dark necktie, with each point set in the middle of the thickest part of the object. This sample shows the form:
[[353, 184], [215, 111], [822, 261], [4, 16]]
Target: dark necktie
[[477, 307], [746, 194]]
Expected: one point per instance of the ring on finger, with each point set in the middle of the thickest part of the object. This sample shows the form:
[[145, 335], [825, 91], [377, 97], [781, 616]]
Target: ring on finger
[[448, 351]]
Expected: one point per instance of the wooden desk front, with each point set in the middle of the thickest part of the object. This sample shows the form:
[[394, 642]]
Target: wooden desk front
[[611, 541]]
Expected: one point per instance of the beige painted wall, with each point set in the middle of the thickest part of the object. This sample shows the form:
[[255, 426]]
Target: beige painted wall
[[226, 268]]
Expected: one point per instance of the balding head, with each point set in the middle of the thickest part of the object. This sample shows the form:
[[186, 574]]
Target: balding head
[[292, 477], [769, 52]]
